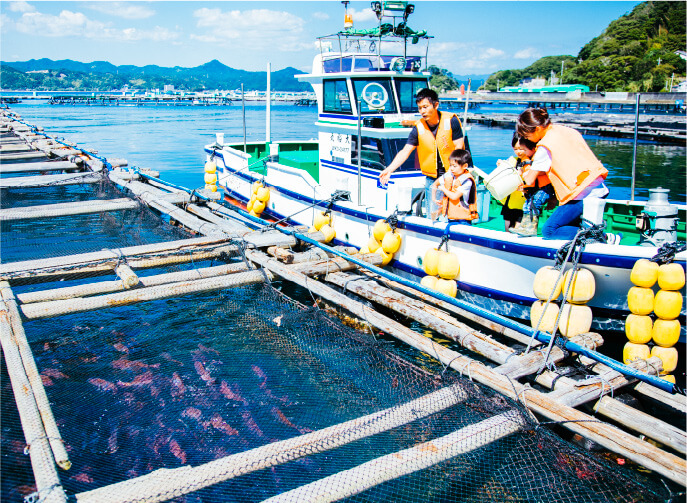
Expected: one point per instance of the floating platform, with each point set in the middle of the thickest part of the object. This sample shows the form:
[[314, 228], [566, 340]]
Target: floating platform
[[154, 354]]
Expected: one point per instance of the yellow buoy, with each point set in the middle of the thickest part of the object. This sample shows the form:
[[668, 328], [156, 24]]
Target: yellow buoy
[[575, 320], [448, 266], [549, 316], [312, 230], [582, 287], [364, 250], [380, 229], [211, 188], [252, 213], [263, 194], [210, 167], [632, 352], [249, 206], [329, 232], [668, 304], [258, 206], [429, 282], [638, 328], [392, 241], [640, 300], [644, 273], [671, 276], [373, 244], [431, 262], [669, 378], [668, 356], [256, 185], [210, 178], [321, 219], [666, 333], [447, 286], [386, 257], [544, 282]]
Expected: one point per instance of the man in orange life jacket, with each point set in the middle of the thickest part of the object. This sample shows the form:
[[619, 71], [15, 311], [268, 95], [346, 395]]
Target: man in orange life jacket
[[434, 136]]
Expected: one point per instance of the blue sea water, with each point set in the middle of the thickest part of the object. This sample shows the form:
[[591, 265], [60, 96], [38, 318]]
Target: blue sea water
[[187, 380], [170, 139]]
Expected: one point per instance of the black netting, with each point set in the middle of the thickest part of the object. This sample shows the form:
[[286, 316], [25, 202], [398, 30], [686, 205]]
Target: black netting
[[184, 381]]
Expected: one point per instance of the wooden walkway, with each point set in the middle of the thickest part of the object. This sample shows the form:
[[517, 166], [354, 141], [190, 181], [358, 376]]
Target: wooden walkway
[[323, 271]]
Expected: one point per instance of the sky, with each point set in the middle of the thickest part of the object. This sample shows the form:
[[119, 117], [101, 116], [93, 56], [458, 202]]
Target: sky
[[470, 38]]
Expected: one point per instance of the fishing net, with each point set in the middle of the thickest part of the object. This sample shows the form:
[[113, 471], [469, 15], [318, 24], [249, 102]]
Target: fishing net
[[245, 394]]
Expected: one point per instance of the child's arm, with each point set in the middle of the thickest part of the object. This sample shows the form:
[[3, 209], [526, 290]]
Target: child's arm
[[436, 186]]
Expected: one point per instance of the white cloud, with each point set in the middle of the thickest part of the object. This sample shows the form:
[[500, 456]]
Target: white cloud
[[362, 15], [21, 7], [69, 23], [322, 16], [126, 10], [527, 53], [257, 29], [465, 58]]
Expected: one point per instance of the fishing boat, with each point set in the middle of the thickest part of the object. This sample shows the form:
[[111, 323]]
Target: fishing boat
[[365, 83]]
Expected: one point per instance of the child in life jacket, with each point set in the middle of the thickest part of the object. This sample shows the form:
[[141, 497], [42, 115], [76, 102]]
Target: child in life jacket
[[512, 204], [536, 194], [458, 203]]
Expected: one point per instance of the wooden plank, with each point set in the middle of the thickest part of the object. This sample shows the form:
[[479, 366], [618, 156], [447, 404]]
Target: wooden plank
[[39, 310], [457, 331], [34, 378], [25, 167], [41, 181], [40, 453], [106, 260], [643, 423], [164, 484], [677, 401], [21, 156], [62, 209], [102, 287]]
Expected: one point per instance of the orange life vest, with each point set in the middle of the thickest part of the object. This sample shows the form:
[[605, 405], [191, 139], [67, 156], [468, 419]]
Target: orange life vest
[[454, 210], [428, 144], [542, 179], [573, 164]]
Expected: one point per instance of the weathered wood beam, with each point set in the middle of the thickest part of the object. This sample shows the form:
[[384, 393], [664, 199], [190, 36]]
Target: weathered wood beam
[[63, 209]]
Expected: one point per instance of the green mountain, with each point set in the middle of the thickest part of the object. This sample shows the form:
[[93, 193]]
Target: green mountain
[[637, 52], [49, 75]]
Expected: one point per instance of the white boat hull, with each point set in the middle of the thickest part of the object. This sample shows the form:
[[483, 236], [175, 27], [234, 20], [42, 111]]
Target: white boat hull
[[496, 268]]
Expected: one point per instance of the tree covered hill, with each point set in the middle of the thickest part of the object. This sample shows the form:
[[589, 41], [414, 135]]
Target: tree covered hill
[[46, 74], [635, 53]]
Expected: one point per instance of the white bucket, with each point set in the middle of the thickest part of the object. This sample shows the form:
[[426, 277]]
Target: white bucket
[[503, 181]]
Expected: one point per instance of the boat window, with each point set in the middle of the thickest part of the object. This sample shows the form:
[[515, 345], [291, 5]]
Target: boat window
[[377, 153], [336, 65], [407, 89], [336, 97], [365, 64], [371, 152], [375, 95]]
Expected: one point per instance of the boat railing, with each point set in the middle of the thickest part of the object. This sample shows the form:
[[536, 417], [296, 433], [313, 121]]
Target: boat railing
[[371, 51]]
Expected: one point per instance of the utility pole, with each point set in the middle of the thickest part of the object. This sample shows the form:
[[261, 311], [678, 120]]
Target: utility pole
[[562, 68]]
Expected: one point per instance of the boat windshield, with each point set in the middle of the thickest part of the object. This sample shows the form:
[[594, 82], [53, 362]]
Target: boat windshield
[[407, 89], [375, 95]]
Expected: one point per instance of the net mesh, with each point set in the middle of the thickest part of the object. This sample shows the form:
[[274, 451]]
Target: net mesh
[[263, 395]]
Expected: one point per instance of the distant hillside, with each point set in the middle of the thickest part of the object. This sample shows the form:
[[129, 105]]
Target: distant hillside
[[636, 52], [49, 75]]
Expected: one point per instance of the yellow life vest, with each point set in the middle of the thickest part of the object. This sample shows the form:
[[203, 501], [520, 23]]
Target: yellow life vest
[[454, 210], [573, 164], [428, 144]]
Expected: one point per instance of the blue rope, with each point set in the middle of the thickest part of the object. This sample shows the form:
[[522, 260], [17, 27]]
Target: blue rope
[[84, 151], [542, 337]]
